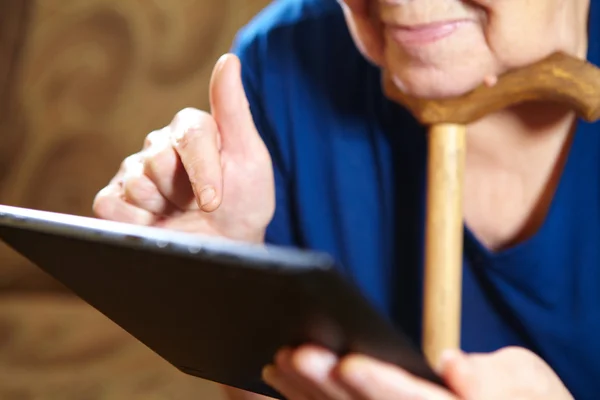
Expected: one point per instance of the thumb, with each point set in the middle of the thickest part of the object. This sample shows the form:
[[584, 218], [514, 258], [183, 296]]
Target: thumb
[[230, 107]]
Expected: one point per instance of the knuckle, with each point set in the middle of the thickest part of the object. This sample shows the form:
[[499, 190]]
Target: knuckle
[[190, 116], [133, 165], [157, 138], [123, 165], [186, 111], [129, 161], [139, 189], [192, 124]]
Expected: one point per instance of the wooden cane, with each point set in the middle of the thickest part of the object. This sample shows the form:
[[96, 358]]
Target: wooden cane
[[558, 78]]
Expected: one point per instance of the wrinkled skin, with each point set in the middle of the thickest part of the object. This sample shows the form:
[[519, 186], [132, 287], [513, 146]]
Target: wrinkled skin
[[205, 173], [484, 46]]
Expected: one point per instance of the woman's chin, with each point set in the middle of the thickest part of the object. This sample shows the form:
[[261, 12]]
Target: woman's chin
[[436, 85], [440, 71]]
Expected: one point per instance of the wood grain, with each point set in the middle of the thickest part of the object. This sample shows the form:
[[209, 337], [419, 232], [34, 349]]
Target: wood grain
[[442, 302]]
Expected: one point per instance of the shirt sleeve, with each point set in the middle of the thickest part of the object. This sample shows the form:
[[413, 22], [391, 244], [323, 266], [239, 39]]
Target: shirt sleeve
[[247, 47]]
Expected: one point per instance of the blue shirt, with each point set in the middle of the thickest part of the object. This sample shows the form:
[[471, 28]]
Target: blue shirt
[[350, 180]]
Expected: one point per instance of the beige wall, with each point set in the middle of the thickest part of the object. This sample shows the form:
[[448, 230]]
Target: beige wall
[[81, 83]]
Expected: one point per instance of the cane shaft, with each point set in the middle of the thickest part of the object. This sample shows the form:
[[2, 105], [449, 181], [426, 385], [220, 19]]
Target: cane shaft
[[443, 240]]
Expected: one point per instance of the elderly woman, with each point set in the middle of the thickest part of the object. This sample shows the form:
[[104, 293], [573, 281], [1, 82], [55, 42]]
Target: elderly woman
[[302, 148]]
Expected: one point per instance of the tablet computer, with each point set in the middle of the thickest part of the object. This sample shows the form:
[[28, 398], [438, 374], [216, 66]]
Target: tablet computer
[[213, 308]]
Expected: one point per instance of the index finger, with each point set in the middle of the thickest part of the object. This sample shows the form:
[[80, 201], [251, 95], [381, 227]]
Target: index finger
[[195, 137]]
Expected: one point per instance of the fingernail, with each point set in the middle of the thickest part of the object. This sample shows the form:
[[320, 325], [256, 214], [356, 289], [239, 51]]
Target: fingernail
[[267, 373], [283, 356], [221, 62], [207, 196], [219, 66]]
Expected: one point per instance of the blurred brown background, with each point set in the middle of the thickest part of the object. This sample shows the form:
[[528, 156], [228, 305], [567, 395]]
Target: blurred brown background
[[81, 83]]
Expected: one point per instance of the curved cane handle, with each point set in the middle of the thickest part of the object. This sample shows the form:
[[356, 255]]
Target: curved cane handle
[[559, 78]]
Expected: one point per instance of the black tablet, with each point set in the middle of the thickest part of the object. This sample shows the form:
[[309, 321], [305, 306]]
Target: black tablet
[[213, 308]]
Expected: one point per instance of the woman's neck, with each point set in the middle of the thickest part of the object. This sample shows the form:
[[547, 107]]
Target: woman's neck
[[521, 135], [514, 164]]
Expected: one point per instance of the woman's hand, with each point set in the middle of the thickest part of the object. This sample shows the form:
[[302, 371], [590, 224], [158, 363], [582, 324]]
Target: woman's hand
[[311, 373], [204, 173]]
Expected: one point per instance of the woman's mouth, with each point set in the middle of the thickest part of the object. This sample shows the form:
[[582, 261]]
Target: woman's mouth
[[419, 35]]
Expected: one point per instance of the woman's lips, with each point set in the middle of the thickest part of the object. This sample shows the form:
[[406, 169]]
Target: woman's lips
[[418, 35]]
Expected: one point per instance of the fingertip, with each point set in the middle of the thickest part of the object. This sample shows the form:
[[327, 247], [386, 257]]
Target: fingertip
[[310, 349], [220, 62], [222, 70], [226, 93], [110, 205], [224, 60], [231, 109], [353, 360], [102, 204], [230, 60], [283, 358], [268, 374], [267, 370], [313, 361], [218, 68], [448, 359]]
